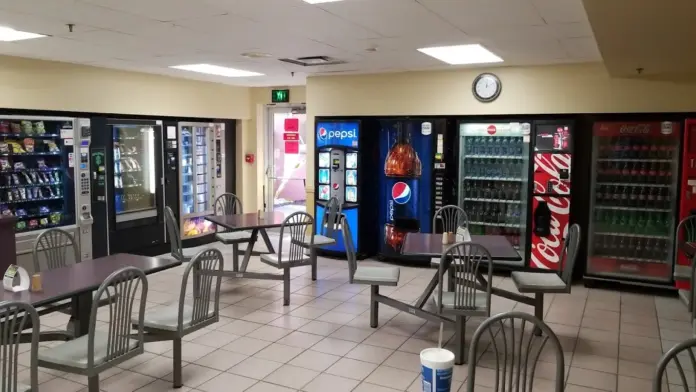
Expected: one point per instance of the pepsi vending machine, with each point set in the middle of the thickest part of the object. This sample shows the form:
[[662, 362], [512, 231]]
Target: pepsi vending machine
[[343, 154], [412, 182]]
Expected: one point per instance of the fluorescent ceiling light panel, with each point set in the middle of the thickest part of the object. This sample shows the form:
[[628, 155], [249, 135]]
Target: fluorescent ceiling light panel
[[216, 70], [462, 54], [320, 1], [8, 34]]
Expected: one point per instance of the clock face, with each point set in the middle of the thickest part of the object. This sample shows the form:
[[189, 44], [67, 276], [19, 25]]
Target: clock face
[[487, 87]]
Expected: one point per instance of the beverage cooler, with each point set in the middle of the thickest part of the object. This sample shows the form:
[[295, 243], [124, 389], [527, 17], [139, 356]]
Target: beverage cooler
[[687, 205], [44, 172], [128, 184], [634, 201], [343, 162], [493, 180], [413, 154]]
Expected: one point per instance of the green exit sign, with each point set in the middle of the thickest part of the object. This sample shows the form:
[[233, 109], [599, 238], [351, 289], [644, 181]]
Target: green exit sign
[[280, 96]]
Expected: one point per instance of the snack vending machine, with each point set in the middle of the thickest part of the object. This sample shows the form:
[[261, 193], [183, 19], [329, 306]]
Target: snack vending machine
[[44, 179], [553, 155], [493, 180], [634, 201]]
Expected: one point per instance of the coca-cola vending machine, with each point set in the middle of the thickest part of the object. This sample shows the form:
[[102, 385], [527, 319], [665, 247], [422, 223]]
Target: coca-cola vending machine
[[687, 207], [633, 202], [553, 152]]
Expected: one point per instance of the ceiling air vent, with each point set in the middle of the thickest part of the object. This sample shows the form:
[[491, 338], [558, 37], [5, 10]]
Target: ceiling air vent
[[313, 61]]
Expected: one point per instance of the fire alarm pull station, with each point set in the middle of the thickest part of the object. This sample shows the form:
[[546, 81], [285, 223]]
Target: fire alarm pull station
[[249, 158]]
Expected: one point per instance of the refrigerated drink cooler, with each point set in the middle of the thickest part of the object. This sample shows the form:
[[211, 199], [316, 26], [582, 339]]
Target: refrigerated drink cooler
[[493, 185], [634, 202]]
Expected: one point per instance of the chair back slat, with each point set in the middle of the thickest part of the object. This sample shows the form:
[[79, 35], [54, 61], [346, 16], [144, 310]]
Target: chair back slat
[[681, 359], [466, 259], [515, 350], [330, 220], [297, 225], [119, 290], [452, 218], [572, 245], [227, 204], [15, 317], [55, 245], [173, 233], [350, 248], [207, 267]]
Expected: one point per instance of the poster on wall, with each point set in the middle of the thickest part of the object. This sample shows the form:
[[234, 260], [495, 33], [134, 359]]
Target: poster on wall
[[292, 125], [292, 147]]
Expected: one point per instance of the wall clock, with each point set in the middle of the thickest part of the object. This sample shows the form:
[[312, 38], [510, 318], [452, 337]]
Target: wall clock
[[486, 87]]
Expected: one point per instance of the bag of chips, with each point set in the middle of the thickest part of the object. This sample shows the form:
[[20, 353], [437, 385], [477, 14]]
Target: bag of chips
[[16, 128], [21, 212], [44, 210], [19, 166], [39, 128], [23, 194], [43, 221], [15, 177], [27, 127], [16, 147], [55, 218], [29, 145], [34, 223], [31, 178], [5, 164], [52, 146], [6, 211], [41, 164], [4, 148], [4, 127], [21, 225]]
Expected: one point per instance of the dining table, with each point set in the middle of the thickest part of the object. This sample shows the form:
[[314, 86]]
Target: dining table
[[77, 282]]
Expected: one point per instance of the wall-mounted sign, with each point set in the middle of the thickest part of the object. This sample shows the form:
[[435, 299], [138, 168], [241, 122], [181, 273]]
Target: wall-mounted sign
[[280, 96], [292, 125], [291, 136]]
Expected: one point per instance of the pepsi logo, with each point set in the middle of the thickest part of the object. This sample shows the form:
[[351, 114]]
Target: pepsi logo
[[335, 186], [401, 193], [491, 129], [322, 134]]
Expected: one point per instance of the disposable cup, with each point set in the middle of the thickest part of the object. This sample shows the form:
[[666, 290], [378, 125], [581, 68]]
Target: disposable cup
[[436, 369]]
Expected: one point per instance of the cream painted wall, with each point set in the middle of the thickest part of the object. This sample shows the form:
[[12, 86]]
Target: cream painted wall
[[581, 88]]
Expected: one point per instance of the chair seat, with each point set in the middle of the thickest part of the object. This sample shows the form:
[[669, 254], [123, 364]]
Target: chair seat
[[233, 237], [381, 276], [536, 282], [448, 300], [272, 259], [321, 240], [74, 354], [166, 318]]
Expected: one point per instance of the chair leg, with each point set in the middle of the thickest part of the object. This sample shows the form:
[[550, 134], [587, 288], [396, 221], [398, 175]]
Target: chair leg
[[450, 280], [235, 257], [286, 286], [313, 256], [459, 340], [93, 383], [538, 310], [374, 306], [177, 363]]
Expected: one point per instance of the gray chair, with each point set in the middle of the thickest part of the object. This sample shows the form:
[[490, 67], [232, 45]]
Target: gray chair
[[14, 318], [299, 226], [452, 218], [100, 350], [540, 283], [54, 245], [230, 204], [177, 251], [686, 245], [681, 359], [174, 321], [516, 351], [330, 223], [467, 298]]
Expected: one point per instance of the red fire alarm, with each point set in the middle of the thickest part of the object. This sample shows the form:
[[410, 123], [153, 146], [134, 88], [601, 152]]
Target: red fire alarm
[[249, 158]]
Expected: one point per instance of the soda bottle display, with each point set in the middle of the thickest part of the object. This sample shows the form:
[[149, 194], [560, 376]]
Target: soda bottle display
[[402, 169]]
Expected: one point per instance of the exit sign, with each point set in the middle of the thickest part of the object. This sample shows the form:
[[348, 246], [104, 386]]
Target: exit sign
[[280, 96]]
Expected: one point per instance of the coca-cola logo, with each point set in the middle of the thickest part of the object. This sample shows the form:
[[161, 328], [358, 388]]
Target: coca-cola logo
[[547, 253], [634, 129], [551, 164], [491, 129]]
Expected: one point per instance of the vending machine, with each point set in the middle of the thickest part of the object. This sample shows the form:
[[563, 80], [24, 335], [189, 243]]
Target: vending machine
[[553, 155], [44, 180], [412, 184], [493, 180], [634, 201], [343, 161], [687, 207]]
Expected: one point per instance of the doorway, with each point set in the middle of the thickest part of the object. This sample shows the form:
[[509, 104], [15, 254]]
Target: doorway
[[287, 159]]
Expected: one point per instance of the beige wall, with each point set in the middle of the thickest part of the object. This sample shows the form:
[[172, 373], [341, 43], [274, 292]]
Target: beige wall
[[583, 88]]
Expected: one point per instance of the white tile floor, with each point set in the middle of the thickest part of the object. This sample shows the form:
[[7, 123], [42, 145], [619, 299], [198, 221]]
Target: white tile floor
[[323, 342]]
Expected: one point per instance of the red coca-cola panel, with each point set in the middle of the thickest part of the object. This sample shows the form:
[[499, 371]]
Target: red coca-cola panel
[[647, 129], [547, 251], [687, 199], [552, 173]]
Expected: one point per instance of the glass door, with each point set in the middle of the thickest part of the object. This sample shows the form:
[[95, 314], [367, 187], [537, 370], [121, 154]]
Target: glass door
[[196, 179], [286, 159], [135, 185]]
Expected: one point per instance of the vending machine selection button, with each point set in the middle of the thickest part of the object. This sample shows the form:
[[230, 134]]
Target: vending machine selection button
[[335, 186]]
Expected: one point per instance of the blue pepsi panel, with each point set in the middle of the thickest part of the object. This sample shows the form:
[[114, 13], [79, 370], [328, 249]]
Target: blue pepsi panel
[[352, 218], [338, 134], [405, 200]]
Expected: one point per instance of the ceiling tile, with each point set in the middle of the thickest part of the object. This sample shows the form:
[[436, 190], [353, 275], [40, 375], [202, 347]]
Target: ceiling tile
[[561, 11], [161, 10], [582, 49], [93, 15], [38, 24], [466, 14]]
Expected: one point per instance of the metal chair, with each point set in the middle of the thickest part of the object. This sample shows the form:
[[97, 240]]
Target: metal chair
[[686, 245], [299, 225], [516, 351], [327, 231], [14, 318], [54, 245], [100, 350], [174, 321], [682, 360], [230, 204], [452, 217], [177, 251], [467, 297], [540, 283]]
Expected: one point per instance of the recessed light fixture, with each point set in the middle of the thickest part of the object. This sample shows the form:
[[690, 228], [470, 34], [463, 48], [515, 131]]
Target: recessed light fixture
[[462, 54], [8, 34], [320, 1], [256, 55], [216, 70]]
